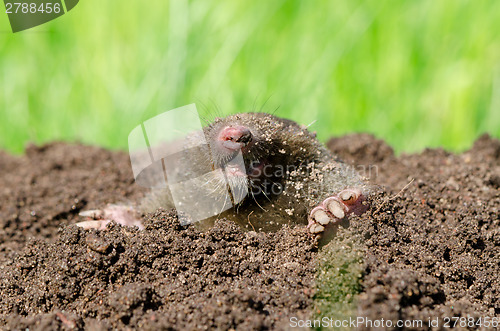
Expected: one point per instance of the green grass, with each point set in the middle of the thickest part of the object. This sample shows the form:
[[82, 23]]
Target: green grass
[[416, 73], [338, 281]]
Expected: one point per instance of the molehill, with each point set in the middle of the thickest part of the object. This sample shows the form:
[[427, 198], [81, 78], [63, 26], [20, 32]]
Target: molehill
[[429, 251]]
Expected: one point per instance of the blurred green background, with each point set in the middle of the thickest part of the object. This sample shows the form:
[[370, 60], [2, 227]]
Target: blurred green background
[[415, 73]]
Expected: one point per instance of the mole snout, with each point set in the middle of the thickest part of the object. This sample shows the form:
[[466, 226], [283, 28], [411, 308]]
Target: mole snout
[[235, 137]]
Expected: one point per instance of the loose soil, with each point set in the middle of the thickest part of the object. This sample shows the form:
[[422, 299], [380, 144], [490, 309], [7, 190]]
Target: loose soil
[[430, 250]]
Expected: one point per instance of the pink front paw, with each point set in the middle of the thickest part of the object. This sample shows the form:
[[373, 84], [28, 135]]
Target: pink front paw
[[99, 219], [333, 209]]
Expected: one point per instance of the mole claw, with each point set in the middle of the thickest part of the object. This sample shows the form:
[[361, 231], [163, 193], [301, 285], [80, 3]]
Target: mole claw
[[316, 228], [321, 216], [123, 215], [99, 224], [350, 196], [94, 214], [335, 208]]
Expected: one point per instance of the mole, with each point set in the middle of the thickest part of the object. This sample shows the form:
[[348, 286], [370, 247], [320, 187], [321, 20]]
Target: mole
[[287, 176]]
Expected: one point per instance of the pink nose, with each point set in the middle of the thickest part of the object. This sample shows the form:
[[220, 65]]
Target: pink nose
[[235, 137]]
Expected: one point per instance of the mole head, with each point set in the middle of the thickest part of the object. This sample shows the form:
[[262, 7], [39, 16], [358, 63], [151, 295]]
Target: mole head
[[257, 138]]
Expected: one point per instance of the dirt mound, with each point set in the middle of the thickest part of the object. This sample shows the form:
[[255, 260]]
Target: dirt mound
[[54, 275], [164, 276], [429, 251], [433, 250]]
